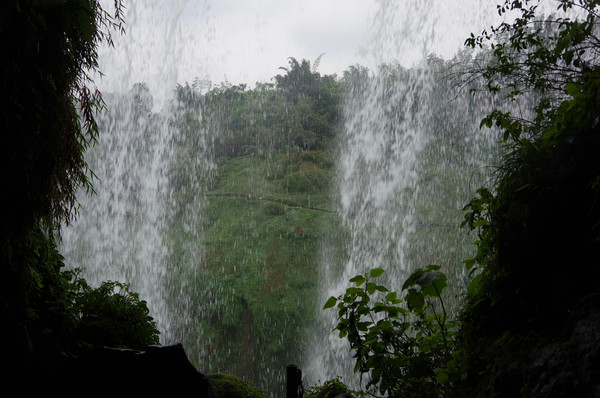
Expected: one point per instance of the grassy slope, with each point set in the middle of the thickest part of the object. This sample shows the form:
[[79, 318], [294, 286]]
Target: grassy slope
[[257, 250], [263, 226]]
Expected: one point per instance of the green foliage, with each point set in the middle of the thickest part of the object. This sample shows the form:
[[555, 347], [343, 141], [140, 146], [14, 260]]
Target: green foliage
[[540, 220], [329, 389], [47, 111], [407, 346], [547, 162], [229, 386], [312, 182], [110, 315], [41, 293], [544, 57], [302, 110], [63, 313], [50, 53]]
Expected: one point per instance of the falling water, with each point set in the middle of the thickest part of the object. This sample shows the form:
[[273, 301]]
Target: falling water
[[121, 230], [412, 155]]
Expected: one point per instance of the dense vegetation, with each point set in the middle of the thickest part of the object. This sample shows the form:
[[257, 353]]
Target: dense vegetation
[[531, 297], [539, 224], [47, 114]]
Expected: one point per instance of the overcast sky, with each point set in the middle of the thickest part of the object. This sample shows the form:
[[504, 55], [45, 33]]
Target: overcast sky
[[245, 41]]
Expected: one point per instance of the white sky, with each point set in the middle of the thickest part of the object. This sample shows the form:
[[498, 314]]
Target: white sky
[[245, 41]]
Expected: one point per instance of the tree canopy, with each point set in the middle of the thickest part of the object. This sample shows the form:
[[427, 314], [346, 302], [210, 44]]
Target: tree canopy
[[301, 109]]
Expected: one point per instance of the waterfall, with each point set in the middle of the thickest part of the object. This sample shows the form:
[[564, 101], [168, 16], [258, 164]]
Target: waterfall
[[412, 155], [122, 230], [115, 237]]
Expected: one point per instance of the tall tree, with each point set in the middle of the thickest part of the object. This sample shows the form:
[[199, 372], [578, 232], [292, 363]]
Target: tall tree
[[314, 102]]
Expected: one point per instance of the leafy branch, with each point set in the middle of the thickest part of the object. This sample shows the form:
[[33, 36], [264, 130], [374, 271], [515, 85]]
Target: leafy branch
[[404, 345]]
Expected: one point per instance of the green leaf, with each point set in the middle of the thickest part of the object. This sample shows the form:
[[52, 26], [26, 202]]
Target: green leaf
[[358, 280], [521, 188], [441, 375], [380, 308], [480, 223], [469, 263], [475, 285], [412, 279], [568, 57], [427, 278], [330, 303], [385, 325], [354, 291], [487, 122], [363, 310], [415, 300], [377, 272], [436, 285], [572, 89], [363, 326], [371, 287]]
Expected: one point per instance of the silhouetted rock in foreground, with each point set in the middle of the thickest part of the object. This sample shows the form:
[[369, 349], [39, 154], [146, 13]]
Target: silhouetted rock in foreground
[[109, 372]]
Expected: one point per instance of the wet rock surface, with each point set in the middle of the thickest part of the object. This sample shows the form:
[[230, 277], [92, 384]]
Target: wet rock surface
[[567, 367], [570, 367]]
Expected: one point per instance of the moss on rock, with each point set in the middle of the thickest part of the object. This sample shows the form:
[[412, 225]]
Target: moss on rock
[[229, 386]]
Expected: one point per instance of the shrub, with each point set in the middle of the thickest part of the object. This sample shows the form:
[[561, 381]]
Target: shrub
[[330, 389], [110, 315], [306, 182], [229, 386], [407, 347]]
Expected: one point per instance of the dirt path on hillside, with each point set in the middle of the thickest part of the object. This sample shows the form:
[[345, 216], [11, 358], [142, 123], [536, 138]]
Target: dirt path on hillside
[[288, 203]]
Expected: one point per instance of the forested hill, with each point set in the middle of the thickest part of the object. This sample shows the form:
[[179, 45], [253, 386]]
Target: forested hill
[[301, 109]]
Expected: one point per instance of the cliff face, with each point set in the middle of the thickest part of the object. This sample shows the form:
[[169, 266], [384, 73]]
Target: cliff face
[[565, 367], [570, 367], [532, 328]]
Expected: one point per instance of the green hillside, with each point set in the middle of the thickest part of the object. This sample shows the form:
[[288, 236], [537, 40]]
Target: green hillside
[[253, 225], [263, 229]]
